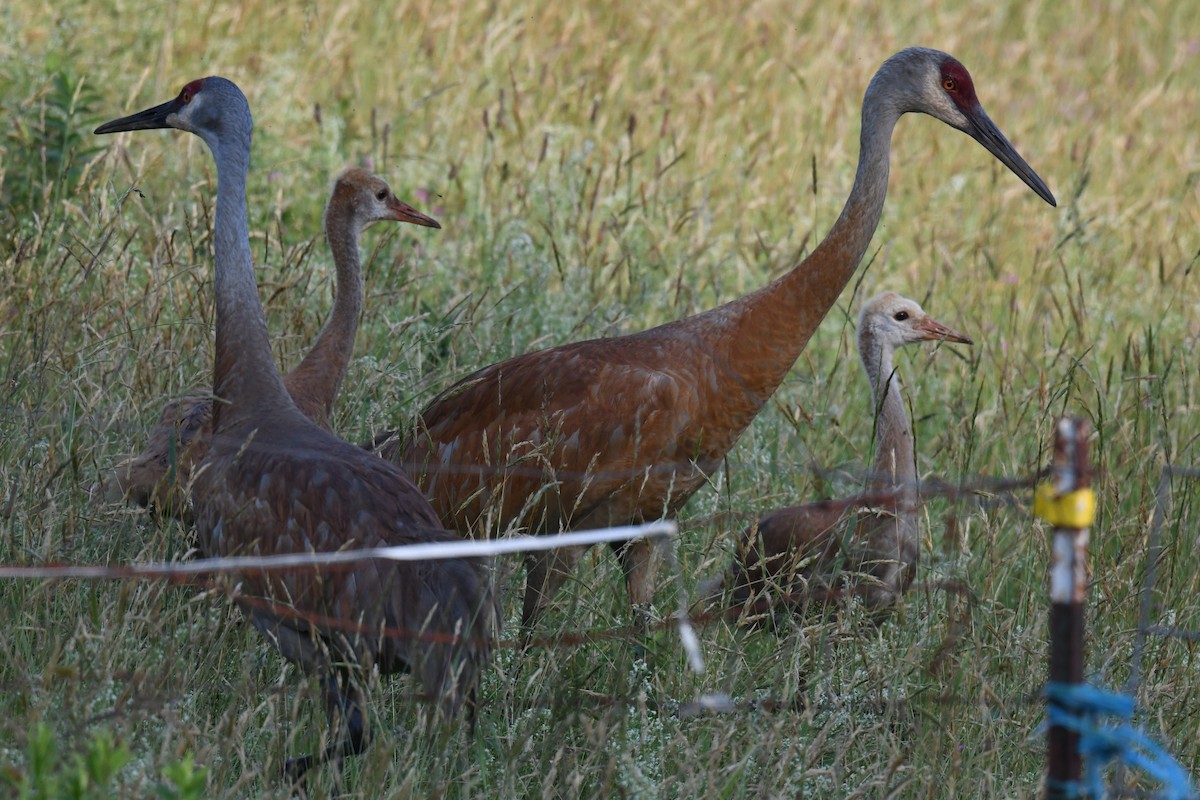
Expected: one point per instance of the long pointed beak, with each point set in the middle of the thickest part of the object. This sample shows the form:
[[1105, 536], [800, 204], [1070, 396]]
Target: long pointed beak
[[984, 131], [403, 212], [932, 330], [143, 120]]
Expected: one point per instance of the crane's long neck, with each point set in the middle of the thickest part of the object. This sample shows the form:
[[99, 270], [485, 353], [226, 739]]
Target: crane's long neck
[[765, 332], [886, 537], [895, 460], [322, 371], [246, 381]]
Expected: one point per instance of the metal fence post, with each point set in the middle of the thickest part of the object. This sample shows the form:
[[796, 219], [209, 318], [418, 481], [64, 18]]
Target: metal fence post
[[1066, 502]]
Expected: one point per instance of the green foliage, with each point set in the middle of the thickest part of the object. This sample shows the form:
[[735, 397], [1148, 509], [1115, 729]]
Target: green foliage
[[46, 144], [82, 775], [187, 781], [93, 773]]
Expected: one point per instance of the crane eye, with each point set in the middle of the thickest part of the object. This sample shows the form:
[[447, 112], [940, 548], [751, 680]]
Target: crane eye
[[185, 96], [381, 194], [900, 316], [949, 84]]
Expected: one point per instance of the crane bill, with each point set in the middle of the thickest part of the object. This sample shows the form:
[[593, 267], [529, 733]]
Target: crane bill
[[984, 131], [150, 119]]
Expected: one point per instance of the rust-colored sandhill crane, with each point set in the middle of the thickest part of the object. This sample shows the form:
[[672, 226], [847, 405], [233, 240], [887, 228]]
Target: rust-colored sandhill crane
[[158, 476], [792, 548], [620, 430], [275, 482]]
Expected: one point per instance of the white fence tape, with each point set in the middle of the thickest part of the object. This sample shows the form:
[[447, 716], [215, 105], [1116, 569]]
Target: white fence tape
[[467, 548]]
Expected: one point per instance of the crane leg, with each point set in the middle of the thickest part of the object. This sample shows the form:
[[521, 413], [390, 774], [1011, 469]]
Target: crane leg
[[546, 572], [344, 707], [639, 560]]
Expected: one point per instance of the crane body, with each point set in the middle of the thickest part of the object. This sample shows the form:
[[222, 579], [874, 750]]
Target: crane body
[[273, 481], [626, 429]]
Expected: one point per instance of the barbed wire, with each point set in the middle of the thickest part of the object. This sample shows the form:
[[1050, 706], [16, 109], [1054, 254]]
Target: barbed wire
[[979, 491]]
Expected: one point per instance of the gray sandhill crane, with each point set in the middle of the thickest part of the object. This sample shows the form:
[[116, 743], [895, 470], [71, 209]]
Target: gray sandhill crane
[[158, 476], [623, 430], [275, 482], [792, 549]]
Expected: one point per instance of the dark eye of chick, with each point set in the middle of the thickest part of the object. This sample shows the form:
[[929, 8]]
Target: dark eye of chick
[[381, 194], [900, 316]]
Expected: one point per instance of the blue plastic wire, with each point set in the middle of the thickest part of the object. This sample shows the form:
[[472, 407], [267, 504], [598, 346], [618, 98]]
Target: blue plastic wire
[[1076, 707]]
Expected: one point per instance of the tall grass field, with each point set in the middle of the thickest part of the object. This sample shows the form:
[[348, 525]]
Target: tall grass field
[[600, 168]]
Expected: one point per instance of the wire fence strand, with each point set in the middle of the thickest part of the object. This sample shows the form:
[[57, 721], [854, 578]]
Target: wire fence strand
[[977, 492]]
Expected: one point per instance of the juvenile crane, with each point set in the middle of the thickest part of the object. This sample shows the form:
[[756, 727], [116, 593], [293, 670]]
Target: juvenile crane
[[622, 430], [793, 548], [275, 482], [158, 476]]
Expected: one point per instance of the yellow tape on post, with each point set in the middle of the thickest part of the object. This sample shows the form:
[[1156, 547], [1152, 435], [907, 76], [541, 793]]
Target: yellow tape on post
[[1075, 509]]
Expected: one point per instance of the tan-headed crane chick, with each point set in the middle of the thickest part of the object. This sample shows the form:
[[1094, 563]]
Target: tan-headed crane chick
[[158, 476], [792, 550]]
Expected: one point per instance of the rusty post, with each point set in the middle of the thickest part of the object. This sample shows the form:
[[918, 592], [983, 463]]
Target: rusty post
[[1066, 502]]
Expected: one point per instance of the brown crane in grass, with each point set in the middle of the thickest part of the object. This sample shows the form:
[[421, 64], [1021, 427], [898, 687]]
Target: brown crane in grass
[[622, 430], [791, 549], [158, 477], [275, 482]]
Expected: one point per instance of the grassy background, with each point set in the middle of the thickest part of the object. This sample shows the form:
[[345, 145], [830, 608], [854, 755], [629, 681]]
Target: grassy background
[[600, 168]]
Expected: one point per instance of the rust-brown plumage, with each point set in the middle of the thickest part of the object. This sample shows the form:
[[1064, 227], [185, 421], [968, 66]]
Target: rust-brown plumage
[[626, 429], [158, 477], [791, 551], [275, 482]]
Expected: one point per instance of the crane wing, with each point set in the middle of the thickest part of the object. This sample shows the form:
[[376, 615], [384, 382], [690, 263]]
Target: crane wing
[[269, 496], [548, 438]]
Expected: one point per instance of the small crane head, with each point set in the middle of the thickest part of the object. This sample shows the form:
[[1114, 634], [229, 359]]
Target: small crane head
[[369, 199], [210, 107], [897, 321]]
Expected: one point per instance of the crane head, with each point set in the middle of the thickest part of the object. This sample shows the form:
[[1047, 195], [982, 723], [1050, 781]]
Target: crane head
[[895, 321], [369, 199], [935, 83], [208, 107], [957, 85]]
